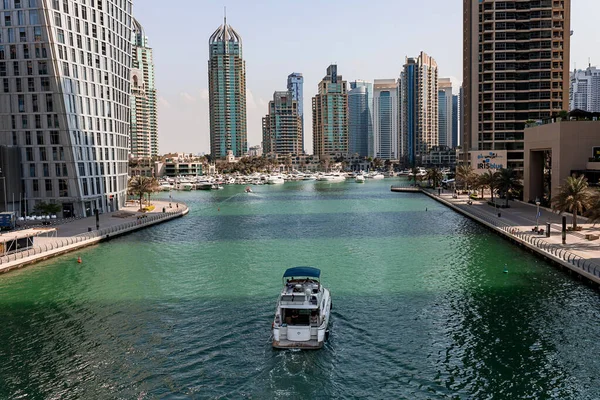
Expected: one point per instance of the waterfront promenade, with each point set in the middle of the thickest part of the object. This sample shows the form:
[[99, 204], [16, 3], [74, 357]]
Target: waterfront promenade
[[63, 237], [578, 254]]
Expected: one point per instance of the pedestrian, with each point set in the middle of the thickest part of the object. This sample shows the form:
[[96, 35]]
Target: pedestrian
[[177, 204], [170, 206]]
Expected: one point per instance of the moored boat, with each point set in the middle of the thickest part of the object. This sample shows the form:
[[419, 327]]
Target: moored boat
[[332, 177], [303, 310], [275, 180]]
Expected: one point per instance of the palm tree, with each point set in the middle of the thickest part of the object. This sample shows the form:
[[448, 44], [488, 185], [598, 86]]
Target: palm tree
[[325, 161], [140, 185], [415, 174], [488, 179], [574, 196], [435, 175], [507, 182], [465, 174]]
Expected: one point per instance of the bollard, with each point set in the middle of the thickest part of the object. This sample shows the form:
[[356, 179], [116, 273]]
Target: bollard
[[547, 229]]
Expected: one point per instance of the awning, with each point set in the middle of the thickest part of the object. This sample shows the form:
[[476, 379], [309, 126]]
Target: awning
[[303, 271]]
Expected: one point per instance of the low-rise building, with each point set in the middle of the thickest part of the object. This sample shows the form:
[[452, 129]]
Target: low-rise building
[[174, 168], [255, 151], [441, 157], [558, 148]]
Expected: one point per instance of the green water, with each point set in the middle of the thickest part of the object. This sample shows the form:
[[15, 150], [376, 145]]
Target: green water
[[422, 308]]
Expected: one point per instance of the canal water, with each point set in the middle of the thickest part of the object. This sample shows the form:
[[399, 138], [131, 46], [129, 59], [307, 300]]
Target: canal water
[[421, 307]]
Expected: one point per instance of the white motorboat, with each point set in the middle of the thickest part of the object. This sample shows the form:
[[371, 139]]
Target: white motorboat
[[204, 185], [184, 185], [166, 186], [333, 177], [303, 311], [377, 176], [275, 180], [360, 179]]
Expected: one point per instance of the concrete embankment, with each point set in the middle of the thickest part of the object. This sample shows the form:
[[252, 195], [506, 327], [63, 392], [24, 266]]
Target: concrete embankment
[[517, 225], [45, 248]]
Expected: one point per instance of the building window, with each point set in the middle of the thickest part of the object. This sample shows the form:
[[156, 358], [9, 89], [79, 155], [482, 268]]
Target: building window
[[45, 81], [54, 137]]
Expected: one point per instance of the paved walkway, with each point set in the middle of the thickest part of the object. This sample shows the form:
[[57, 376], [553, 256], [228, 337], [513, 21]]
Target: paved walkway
[[523, 217], [74, 234], [517, 222]]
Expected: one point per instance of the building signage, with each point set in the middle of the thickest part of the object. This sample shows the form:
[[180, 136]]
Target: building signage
[[481, 161]]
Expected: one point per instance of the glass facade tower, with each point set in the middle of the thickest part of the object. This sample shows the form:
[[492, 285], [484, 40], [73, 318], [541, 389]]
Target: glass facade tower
[[385, 121], [295, 85], [360, 118], [227, 93]]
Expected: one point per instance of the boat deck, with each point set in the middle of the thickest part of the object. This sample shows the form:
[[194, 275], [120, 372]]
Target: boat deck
[[288, 344], [298, 287]]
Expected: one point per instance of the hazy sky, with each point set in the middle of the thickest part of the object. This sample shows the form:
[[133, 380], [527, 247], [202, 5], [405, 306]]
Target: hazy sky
[[367, 39]]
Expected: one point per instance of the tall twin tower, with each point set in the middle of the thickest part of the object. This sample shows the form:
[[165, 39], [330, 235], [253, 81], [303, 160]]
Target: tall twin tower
[[227, 93]]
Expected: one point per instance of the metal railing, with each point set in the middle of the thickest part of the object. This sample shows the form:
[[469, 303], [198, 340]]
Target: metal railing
[[87, 236], [553, 249]]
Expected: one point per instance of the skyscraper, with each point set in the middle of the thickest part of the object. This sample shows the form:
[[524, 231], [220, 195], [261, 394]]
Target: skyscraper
[[330, 115], [455, 120], [66, 100], [282, 126], [295, 84], [419, 107], [585, 90], [227, 93], [516, 68], [143, 135], [360, 118], [445, 112], [385, 119]]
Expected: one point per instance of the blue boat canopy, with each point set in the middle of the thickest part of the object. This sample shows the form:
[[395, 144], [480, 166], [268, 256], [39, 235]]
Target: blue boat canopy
[[303, 271]]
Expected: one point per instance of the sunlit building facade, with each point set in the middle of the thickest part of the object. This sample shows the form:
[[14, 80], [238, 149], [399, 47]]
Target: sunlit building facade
[[515, 69], [330, 115], [282, 126], [143, 136], [419, 108], [65, 72], [295, 85]]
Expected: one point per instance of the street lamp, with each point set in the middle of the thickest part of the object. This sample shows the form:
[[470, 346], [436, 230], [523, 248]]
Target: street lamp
[[537, 215]]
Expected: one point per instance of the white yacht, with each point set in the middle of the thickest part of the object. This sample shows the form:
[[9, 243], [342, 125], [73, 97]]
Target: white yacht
[[360, 178], [303, 311], [204, 185], [184, 184], [275, 180], [332, 177], [166, 186], [376, 175]]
